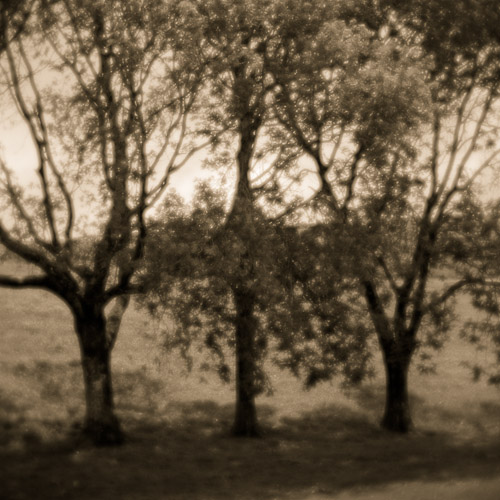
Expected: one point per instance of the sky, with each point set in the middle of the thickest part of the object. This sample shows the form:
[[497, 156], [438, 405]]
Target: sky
[[17, 149], [19, 154]]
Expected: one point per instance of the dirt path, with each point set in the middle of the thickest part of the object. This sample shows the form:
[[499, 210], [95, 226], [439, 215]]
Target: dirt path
[[487, 489]]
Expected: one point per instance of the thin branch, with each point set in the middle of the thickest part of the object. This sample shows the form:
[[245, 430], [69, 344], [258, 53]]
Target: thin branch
[[388, 274], [49, 157], [453, 289], [74, 24], [26, 252], [293, 207], [92, 98], [15, 199], [336, 147], [269, 168], [155, 193], [475, 136], [436, 129], [38, 122], [29, 282], [456, 137], [485, 164], [454, 187], [114, 319], [352, 179]]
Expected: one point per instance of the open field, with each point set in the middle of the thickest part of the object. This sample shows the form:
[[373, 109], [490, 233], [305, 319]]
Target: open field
[[319, 444]]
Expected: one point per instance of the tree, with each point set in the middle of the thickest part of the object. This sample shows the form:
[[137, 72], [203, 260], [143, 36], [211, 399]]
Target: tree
[[232, 38], [235, 284], [108, 117], [393, 121], [225, 276], [463, 75], [191, 277]]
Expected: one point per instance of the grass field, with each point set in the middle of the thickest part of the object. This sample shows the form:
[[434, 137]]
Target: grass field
[[319, 444]]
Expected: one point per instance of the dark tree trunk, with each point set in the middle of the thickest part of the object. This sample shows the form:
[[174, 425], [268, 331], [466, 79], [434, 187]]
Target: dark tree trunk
[[397, 416], [101, 425], [245, 423], [241, 222]]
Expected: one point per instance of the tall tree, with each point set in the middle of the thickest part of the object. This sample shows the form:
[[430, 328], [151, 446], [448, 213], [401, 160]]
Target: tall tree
[[191, 276], [241, 279], [227, 41], [392, 120], [102, 89], [461, 44]]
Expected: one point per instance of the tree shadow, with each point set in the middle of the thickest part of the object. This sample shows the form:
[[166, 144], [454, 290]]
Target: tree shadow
[[20, 431], [7, 422], [432, 418], [188, 453]]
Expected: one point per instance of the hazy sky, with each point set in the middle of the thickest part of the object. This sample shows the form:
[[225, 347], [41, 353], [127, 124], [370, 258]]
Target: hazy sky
[[17, 149]]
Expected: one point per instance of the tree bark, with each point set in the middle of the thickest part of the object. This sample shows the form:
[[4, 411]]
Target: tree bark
[[397, 415], [101, 425], [245, 423]]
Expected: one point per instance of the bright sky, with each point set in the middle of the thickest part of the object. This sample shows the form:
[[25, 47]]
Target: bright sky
[[17, 149]]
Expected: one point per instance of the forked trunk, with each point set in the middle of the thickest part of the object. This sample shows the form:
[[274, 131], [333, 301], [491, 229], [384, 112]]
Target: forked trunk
[[101, 425], [397, 416], [245, 423], [397, 344]]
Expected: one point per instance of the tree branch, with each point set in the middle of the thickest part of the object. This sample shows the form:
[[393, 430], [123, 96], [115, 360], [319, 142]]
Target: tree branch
[[114, 319], [388, 275], [377, 313], [29, 282]]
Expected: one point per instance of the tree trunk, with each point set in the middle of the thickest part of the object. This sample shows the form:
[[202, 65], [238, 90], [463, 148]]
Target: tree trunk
[[397, 416], [101, 425], [245, 423]]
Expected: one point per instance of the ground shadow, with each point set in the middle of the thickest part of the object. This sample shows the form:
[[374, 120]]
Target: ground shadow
[[190, 455], [483, 418]]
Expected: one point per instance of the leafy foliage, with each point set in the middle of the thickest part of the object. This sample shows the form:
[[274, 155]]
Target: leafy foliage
[[306, 307], [193, 266]]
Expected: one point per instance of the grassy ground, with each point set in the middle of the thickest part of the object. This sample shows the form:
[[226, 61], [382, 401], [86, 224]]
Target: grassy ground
[[320, 444]]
